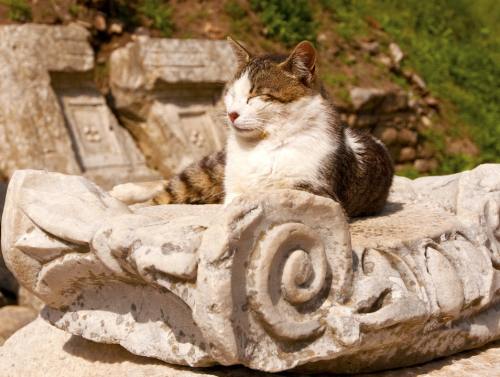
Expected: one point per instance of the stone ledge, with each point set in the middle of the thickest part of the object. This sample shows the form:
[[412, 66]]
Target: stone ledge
[[40, 350]]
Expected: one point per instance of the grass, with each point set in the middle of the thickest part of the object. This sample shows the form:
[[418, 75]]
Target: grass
[[19, 10], [455, 46], [240, 25], [287, 21], [409, 172], [159, 13]]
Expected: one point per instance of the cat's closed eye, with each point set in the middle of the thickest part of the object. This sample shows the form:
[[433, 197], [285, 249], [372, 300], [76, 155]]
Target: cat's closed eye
[[262, 96]]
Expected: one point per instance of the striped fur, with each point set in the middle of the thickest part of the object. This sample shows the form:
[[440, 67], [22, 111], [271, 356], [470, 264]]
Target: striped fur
[[200, 183]]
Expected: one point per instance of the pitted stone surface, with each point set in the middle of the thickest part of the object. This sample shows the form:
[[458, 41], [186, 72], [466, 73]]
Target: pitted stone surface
[[274, 281]]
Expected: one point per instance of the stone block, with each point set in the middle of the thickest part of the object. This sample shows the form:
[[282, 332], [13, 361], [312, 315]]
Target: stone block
[[167, 92], [51, 114]]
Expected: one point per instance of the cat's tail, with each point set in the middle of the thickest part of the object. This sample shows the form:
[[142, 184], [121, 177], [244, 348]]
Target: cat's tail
[[200, 183]]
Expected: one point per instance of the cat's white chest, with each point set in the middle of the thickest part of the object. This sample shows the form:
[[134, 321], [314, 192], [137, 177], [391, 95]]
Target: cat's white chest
[[275, 164]]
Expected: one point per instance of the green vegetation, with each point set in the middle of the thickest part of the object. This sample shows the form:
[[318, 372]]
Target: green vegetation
[[240, 24], [19, 10], [288, 21], [409, 172], [455, 46], [159, 13]]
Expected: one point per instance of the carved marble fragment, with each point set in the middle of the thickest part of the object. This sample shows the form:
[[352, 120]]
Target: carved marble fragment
[[167, 93], [273, 281], [52, 116]]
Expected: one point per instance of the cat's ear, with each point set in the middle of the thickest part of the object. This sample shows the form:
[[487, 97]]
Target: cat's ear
[[242, 54], [302, 61]]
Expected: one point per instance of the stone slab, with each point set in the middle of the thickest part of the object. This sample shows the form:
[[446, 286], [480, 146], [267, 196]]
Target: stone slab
[[40, 350]]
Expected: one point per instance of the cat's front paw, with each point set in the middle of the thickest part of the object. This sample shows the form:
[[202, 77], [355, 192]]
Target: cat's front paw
[[140, 192], [230, 197]]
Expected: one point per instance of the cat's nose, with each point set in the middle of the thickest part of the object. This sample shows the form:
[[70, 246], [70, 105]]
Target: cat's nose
[[233, 116]]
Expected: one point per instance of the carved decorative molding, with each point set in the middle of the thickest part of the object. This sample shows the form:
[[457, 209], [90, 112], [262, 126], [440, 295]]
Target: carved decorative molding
[[274, 281]]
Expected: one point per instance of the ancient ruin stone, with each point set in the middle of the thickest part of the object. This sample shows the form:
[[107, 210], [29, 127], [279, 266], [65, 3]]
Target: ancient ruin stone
[[274, 281], [40, 350], [167, 93], [51, 114]]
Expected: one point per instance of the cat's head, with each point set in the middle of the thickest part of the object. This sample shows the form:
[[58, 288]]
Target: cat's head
[[269, 89]]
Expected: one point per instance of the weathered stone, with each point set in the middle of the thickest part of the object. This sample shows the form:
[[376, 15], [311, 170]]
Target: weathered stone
[[426, 121], [300, 286], [40, 350], [29, 300], [12, 318], [385, 60], [425, 151], [51, 114], [407, 154], [407, 137], [425, 166], [115, 27], [100, 22], [167, 93], [431, 101], [397, 54], [372, 47], [383, 101], [419, 82], [364, 120], [388, 135]]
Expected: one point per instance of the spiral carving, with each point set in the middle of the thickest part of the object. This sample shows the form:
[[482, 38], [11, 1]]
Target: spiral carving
[[289, 281]]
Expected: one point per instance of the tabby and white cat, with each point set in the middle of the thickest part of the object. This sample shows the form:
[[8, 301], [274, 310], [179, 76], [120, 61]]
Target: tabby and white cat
[[285, 133]]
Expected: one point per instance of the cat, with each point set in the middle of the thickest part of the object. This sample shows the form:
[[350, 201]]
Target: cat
[[284, 132]]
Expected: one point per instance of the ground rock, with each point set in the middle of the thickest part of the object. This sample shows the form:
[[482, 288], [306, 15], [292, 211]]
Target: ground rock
[[378, 100], [407, 154], [397, 54]]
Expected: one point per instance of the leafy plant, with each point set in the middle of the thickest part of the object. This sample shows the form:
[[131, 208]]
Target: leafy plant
[[239, 20], [408, 171], [455, 46], [19, 10], [159, 13], [234, 9], [287, 21]]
